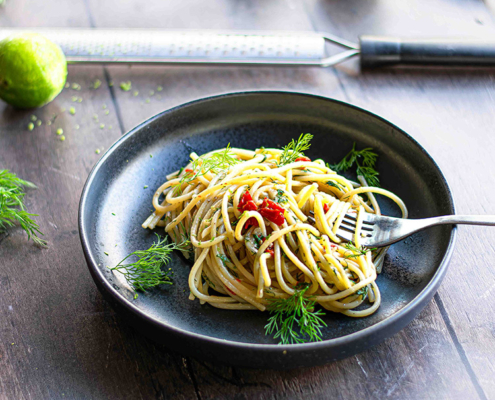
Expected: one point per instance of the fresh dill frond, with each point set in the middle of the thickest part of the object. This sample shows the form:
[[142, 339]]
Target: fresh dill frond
[[295, 312], [215, 163], [146, 272], [12, 209], [356, 252], [295, 149], [365, 161]]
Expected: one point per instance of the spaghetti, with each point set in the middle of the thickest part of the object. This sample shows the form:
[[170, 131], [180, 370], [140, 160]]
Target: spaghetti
[[261, 223]]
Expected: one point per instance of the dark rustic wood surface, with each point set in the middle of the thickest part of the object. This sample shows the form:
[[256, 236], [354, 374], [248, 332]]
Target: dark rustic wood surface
[[60, 340]]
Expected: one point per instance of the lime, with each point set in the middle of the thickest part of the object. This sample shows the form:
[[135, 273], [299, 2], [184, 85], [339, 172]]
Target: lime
[[32, 70]]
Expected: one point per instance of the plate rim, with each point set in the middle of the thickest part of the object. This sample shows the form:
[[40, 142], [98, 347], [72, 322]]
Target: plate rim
[[428, 291]]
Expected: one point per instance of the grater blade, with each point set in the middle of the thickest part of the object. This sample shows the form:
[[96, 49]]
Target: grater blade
[[191, 47]]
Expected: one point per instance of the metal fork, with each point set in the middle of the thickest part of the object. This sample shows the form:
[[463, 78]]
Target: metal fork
[[380, 231]]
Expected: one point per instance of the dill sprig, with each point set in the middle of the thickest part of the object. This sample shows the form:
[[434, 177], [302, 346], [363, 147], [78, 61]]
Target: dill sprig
[[356, 252], [12, 209], [294, 312], [146, 272], [215, 163], [365, 161], [295, 149]]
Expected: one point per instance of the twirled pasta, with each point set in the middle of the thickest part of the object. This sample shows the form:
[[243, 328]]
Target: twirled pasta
[[247, 265]]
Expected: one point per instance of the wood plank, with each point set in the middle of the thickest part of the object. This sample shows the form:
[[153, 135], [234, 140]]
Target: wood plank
[[451, 113], [410, 365], [420, 352], [59, 338]]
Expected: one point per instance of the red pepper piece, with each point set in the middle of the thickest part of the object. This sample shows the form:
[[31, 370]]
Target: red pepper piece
[[246, 197], [250, 206], [267, 203], [230, 291], [272, 215], [269, 249], [326, 207], [251, 222], [189, 170], [303, 159]]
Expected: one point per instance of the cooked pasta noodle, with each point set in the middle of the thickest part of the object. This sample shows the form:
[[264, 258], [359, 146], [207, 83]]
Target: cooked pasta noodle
[[259, 228]]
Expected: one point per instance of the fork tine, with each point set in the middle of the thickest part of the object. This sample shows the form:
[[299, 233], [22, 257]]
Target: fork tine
[[367, 219], [364, 227], [346, 235]]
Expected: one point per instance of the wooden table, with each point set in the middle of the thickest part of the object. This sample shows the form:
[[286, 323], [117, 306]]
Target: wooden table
[[59, 339]]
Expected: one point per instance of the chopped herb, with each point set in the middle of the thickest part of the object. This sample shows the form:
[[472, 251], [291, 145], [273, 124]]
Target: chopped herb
[[159, 89], [12, 209], [125, 86], [366, 167], [39, 122], [60, 131], [258, 239], [224, 259], [76, 86], [363, 292], [295, 149], [30, 126], [34, 118], [135, 93], [72, 111], [96, 84], [281, 198], [105, 253], [336, 185], [62, 138], [97, 151], [145, 187], [295, 311], [102, 126]]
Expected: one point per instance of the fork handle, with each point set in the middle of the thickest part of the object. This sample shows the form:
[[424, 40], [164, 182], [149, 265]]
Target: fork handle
[[460, 219]]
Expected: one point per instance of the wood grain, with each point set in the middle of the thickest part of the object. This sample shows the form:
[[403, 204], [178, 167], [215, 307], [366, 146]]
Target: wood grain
[[67, 341], [59, 338], [182, 84], [449, 111]]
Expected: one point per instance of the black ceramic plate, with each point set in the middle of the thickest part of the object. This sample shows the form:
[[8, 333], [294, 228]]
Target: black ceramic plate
[[142, 158]]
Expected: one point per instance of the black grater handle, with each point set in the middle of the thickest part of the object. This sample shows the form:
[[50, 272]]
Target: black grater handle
[[376, 51]]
